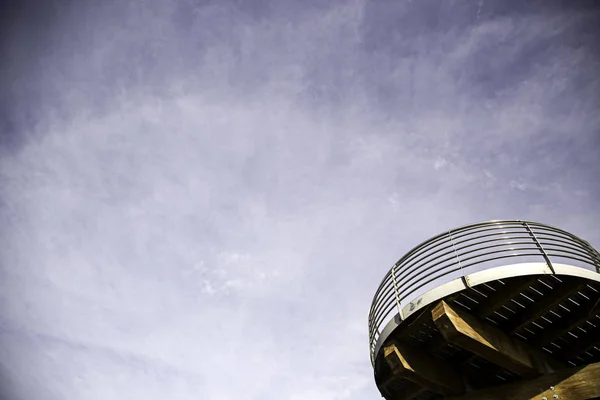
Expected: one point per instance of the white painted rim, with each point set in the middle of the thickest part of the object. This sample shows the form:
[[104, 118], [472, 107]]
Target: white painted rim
[[478, 278]]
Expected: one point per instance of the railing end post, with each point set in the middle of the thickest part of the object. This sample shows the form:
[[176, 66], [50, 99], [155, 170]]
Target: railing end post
[[398, 318]]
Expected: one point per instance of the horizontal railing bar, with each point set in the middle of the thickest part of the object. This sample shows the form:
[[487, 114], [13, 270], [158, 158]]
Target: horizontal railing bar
[[382, 305], [424, 253], [544, 240], [382, 288], [456, 250], [408, 292], [506, 235], [569, 258], [565, 234], [500, 251], [526, 238], [405, 268], [536, 254], [464, 266], [381, 320], [554, 235], [414, 289], [502, 228], [472, 251], [387, 277], [550, 248], [442, 261], [388, 289], [539, 226], [387, 307], [444, 236]]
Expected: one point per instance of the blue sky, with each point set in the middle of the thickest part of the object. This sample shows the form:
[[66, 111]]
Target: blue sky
[[198, 199]]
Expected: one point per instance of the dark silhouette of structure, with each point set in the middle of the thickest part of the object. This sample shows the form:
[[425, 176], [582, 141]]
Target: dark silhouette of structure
[[496, 310]]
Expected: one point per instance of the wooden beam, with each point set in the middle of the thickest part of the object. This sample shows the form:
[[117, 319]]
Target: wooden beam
[[412, 392], [533, 311], [409, 390], [411, 326], [413, 323], [593, 344], [581, 383], [505, 293], [584, 342], [571, 321], [409, 393], [436, 343], [420, 368], [484, 340]]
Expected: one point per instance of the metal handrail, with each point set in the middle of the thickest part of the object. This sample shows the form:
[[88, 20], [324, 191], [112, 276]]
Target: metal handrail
[[457, 250]]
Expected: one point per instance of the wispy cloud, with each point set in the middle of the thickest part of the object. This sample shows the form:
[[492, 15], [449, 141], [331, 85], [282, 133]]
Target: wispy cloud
[[204, 195]]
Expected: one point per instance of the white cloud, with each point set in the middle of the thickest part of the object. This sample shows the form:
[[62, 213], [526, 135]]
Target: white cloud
[[440, 162], [207, 205], [517, 185]]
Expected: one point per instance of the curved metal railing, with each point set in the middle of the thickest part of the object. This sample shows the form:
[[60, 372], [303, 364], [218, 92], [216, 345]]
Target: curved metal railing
[[463, 250]]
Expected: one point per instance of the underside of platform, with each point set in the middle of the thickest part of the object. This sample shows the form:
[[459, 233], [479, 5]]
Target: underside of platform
[[526, 337]]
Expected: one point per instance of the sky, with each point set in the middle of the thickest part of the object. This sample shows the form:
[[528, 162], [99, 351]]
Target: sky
[[198, 199]]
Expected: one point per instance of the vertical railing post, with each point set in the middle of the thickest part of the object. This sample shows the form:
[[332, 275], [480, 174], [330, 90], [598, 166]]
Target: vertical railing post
[[539, 246], [462, 273], [396, 292]]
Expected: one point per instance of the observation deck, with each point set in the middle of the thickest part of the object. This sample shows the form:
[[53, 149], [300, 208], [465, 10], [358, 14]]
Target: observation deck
[[494, 310]]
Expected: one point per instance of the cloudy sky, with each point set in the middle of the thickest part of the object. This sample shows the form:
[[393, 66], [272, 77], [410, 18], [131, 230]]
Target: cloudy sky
[[199, 198]]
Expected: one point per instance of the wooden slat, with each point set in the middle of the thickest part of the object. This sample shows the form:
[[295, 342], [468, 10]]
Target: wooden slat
[[592, 346], [410, 364], [414, 323], [570, 322], [504, 293], [533, 311], [411, 392], [408, 392], [583, 343], [465, 331], [573, 384]]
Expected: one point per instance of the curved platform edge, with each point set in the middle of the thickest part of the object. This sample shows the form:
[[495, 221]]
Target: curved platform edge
[[478, 278]]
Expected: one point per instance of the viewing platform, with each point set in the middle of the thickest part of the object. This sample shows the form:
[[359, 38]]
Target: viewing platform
[[504, 309]]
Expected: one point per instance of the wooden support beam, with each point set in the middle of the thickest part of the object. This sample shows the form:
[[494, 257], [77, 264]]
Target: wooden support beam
[[408, 391], [585, 342], [420, 368], [411, 326], [582, 383], [414, 323], [436, 343], [504, 293], [593, 346], [412, 392], [486, 341], [571, 322], [533, 311]]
